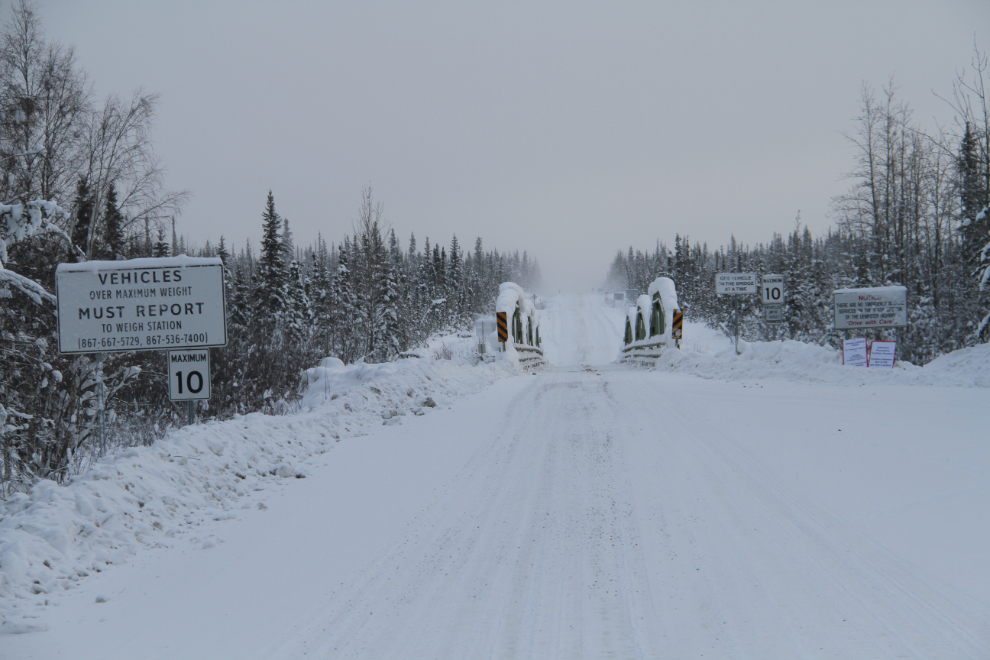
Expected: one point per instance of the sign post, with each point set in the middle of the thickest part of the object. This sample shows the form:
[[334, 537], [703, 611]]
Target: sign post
[[735, 284], [100, 394], [483, 328]]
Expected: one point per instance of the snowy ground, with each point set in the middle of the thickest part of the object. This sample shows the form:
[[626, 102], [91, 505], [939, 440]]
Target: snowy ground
[[779, 506]]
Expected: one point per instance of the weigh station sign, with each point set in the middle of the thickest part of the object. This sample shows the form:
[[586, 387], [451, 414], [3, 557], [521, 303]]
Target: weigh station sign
[[874, 307], [141, 304]]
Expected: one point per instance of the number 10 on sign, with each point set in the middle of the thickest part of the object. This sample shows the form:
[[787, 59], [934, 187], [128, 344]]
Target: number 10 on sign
[[772, 289], [189, 375]]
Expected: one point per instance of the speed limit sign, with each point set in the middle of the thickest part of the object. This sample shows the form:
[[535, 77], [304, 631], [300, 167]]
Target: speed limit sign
[[189, 375], [772, 289]]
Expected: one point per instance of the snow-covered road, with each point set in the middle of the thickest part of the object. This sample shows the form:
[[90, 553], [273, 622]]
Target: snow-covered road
[[581, 330], [586, 512]]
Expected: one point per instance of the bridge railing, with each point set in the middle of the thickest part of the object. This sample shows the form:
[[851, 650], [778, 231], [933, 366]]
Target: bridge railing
[[653, 323], [518, 325]]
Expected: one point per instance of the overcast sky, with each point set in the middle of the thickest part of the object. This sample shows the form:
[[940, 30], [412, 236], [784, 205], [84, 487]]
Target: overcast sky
[[569, 130]]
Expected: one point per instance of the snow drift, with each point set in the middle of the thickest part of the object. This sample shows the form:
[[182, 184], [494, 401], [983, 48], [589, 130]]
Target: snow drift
[[144, 497], [708, 353]]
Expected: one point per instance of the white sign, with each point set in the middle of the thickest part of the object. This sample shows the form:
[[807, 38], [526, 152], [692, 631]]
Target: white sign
[[189, 374], [876, 307], [882, 354], [772, 289], [854, 352], [735, 283], [141, 304], [773, 312]]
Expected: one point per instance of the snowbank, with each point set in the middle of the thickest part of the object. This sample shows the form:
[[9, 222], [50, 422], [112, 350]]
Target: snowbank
[[146, 497], [710, 354]]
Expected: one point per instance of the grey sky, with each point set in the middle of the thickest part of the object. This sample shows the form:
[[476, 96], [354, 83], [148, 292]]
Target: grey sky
[[569, 130]]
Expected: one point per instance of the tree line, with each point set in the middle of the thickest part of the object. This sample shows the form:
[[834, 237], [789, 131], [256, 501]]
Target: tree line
[[364, 298], [915, 215]]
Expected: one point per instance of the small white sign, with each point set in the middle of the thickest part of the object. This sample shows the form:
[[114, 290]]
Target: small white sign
[[875, 307], [189, 375], [141, 304], [854, 352], [735, 283], [772, 289], [882, 354], [773, 312]]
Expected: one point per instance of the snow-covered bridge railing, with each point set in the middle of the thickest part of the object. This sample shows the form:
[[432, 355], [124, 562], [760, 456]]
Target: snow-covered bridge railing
[[649, 323], [518, 325]]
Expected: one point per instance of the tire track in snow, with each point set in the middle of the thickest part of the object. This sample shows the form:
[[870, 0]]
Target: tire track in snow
[[532, 552], [751, 569], [578, 330]]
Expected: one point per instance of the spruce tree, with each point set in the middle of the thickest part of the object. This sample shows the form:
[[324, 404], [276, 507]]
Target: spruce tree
[[83, 204], [343, 314], [298, 311], [271, 265], [161, 248], [973, 198], [113, 233], [455, 284], [288, 244], [222, 252], [388, 340]]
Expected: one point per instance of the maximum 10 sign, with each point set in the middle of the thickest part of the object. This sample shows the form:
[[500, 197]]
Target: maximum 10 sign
[[189, 375]]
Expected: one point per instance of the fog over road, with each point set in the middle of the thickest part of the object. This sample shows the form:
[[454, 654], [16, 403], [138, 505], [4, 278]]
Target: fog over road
[[591, 510]]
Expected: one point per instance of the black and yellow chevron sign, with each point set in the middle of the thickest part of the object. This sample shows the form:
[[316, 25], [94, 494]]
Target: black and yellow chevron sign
[[503, 327], [677, 330]]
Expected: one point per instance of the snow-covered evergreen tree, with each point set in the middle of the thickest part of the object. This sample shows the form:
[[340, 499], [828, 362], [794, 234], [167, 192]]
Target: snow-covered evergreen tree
[[270, 295]]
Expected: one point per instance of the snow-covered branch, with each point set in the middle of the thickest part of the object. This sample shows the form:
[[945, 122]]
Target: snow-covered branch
[[21, 221]]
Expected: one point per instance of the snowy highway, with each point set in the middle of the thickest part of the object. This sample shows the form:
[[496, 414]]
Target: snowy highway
[[590, 510]]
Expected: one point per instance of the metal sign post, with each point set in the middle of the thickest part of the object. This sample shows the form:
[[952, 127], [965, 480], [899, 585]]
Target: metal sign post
[[483, 328], [736, 315], [100, 400]]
